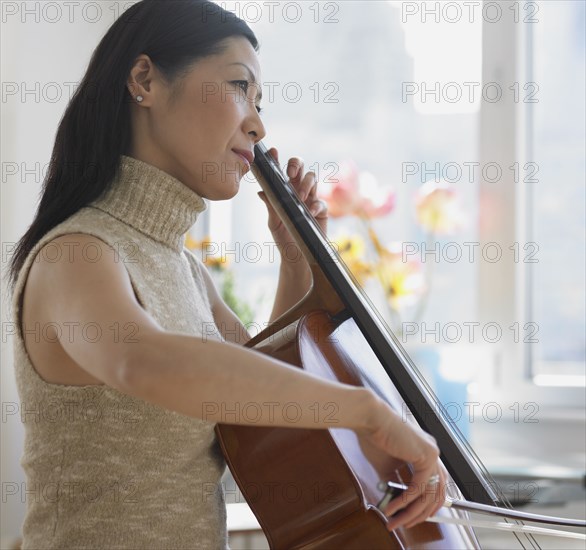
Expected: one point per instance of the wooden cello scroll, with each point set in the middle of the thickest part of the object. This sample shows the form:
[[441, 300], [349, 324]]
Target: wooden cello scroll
[[315, 489]]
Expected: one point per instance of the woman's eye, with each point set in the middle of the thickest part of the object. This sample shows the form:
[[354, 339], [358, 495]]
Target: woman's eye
[[243, 84]]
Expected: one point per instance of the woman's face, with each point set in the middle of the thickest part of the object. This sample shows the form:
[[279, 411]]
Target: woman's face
[[192, 134]]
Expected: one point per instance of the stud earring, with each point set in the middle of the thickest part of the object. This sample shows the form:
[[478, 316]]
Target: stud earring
[[139, 98]]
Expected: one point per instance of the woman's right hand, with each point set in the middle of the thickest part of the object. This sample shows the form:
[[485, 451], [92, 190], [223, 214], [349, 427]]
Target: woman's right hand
[[388, 437]]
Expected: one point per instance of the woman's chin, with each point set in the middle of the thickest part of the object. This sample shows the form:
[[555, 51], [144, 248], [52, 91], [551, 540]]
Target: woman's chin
[[228, 191], [235, 189]]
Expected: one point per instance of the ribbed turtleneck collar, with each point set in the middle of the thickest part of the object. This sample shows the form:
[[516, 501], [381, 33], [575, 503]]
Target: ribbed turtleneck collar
[[152, 201]]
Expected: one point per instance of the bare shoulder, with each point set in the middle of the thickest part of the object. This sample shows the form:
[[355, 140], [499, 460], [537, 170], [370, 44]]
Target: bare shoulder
[[73, 260], [78, 286]]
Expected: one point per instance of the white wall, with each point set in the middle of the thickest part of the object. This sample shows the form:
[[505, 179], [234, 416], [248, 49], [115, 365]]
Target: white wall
[[46, 47]]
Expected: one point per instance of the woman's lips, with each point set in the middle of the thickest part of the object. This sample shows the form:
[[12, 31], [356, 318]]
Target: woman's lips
[[246, 156], [244, 159]]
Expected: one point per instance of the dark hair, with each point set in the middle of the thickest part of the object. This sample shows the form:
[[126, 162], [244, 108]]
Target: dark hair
[[95, 128]]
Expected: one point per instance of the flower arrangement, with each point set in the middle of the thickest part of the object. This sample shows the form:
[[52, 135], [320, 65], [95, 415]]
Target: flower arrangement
[[404, 281]]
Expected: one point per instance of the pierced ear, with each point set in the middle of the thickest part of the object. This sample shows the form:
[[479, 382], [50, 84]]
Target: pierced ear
[[139, 79], [133, 88]]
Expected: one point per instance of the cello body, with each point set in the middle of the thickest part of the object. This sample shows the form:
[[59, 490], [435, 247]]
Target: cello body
[[315, 489]]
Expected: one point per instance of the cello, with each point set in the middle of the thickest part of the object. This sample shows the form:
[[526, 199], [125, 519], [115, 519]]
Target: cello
[[316, 489]]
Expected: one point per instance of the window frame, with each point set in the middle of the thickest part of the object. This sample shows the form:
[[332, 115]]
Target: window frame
[[506, 136]]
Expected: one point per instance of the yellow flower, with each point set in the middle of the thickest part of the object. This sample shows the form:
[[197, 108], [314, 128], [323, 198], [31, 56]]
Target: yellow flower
[[191, 243], [351, 250], [402, 278], [205, 248]]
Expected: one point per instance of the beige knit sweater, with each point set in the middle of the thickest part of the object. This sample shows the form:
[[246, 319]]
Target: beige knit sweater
[[103, 469]]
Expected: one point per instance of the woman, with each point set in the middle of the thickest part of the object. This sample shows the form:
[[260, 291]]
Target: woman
[[139, 357]]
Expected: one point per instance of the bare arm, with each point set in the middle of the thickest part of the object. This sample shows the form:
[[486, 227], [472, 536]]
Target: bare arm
[[224, 382], [294, 283], [192, 375]]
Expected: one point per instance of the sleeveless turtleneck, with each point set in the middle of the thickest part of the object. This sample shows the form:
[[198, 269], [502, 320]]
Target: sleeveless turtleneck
[[104, 469], [152, 202]]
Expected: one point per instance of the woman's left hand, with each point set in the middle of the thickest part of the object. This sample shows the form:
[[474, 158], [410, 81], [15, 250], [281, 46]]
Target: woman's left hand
[[306, 187]]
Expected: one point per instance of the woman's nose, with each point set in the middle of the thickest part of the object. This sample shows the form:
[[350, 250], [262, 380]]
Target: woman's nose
[[257, 127]]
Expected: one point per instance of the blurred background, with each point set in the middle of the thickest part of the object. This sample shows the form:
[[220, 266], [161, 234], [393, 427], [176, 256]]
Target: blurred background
[[448, 139]]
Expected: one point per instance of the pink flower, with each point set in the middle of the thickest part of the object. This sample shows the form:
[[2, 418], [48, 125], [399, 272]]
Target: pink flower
[[438, 208], [344, 194], [352, 193], [376, 201]]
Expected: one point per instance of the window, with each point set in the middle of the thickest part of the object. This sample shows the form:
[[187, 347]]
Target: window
[[556, 194], [410, 96]]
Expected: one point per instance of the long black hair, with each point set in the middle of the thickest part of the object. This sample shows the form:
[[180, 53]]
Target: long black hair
[[95, 128]]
